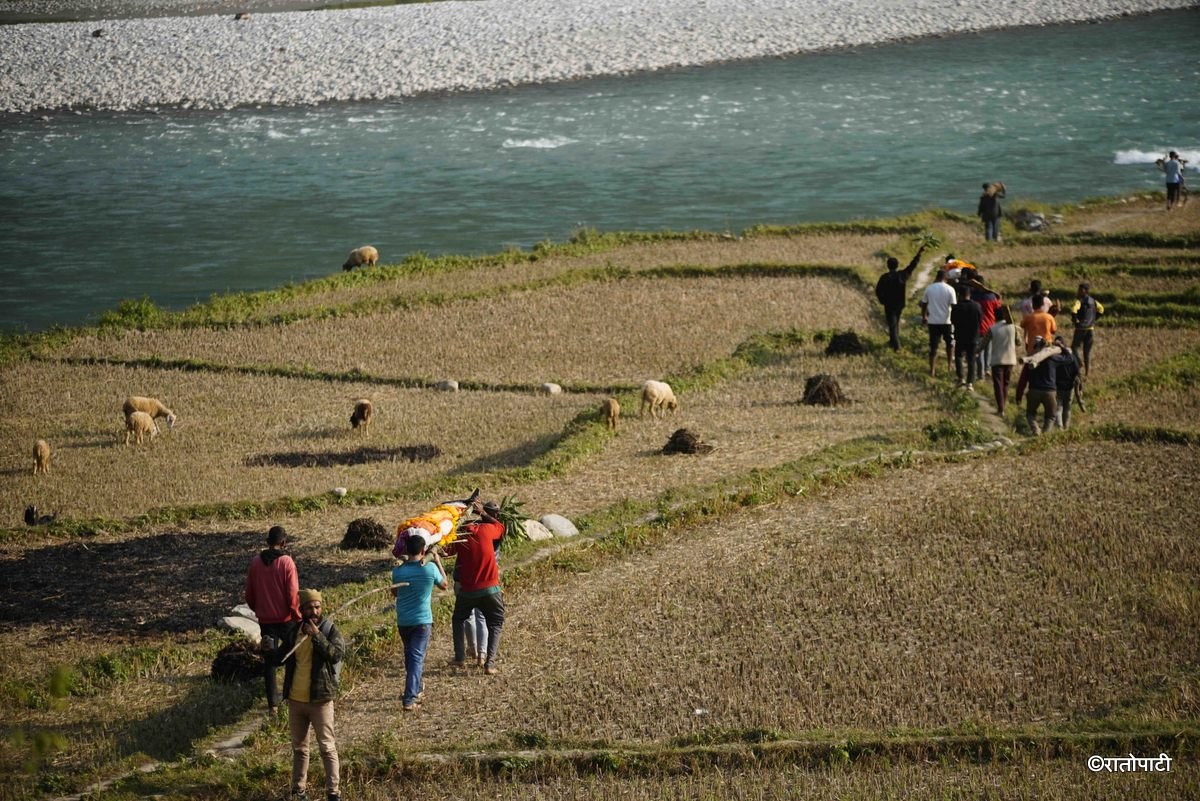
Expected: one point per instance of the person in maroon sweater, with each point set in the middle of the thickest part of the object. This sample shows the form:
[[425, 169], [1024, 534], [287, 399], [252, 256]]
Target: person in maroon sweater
[[273, 592], [479, 576]]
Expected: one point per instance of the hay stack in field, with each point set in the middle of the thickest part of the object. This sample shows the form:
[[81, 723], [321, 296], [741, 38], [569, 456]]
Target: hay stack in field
[[845, 344], [238, 661], [684, 441], [823, 390], [367, 534]]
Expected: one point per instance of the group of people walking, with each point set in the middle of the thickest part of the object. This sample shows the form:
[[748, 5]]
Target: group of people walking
[[300, 636], [980, 335]]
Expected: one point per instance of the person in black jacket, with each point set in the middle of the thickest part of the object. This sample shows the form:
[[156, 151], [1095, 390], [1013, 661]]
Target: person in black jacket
[[1066, 373], [990, 212], [966, 316], [892, 291]]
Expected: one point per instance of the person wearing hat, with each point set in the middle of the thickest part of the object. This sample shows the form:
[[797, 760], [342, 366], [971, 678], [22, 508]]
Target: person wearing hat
[[479, 579], [273, 593], [310, 683]]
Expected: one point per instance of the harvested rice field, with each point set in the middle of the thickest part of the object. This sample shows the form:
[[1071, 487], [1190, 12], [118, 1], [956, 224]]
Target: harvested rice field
[[902, 596], [617, 332]]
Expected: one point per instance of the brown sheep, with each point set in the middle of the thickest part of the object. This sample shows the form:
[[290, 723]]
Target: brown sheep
[[362, 414], [41, 457], [610, 410], [151, 406], [140, 425], [366, 256]]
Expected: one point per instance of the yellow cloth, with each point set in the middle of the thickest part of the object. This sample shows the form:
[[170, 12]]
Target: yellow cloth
[[302, 678], [441, 522]]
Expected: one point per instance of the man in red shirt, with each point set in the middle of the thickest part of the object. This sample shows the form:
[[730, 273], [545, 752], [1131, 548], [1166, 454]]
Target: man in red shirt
[[479, 576], [273, 592]]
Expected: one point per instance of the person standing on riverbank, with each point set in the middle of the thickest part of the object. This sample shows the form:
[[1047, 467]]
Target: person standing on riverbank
[[273, 593], [990, 212], [892, 291], [1172, 166]]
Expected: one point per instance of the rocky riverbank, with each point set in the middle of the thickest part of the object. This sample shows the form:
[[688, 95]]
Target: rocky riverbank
[[304, 57]]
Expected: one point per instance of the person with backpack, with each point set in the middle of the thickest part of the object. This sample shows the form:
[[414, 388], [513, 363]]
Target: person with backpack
[[311, 675], [892, 292]]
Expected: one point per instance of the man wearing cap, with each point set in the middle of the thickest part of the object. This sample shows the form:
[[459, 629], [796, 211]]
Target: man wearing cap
[[273, 593], [310, 683], [479, 576]]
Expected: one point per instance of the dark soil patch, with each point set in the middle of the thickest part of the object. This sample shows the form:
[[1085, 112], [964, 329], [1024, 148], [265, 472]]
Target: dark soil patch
[[363, 455], [684, 441], [238, 661], [845, 344], [367, 534], [824, 390], [172, 582]]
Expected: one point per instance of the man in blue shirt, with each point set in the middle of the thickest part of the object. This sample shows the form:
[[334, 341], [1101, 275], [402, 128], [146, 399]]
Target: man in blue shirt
[[414, 615]]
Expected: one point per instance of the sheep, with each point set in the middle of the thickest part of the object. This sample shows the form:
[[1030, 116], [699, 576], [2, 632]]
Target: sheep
[[659, 397], [364, 256], [151, 406], [41, 457], [140, 424], [610, 410], [362, 414]]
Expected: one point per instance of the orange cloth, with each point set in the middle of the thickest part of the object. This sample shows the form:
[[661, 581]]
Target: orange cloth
[[441, 522]]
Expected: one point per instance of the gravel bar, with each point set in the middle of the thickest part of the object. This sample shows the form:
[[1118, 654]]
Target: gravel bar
[[377, 53]]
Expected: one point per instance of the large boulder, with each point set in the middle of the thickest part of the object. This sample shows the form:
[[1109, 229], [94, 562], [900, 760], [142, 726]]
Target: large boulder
[[536, 532], [559, 526]]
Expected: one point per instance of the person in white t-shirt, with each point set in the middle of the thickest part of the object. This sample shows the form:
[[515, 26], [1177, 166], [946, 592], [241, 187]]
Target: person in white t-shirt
[[938, 300]]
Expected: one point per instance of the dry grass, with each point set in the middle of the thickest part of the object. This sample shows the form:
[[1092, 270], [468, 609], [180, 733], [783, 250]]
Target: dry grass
[[1121, 351], [1136, 215], [934, 599], [846, 249], [1175, 409], [1061, 780], [223, 419], [619, 331], [755, 421]]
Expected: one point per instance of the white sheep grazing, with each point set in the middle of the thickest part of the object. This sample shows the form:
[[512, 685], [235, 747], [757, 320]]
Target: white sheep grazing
[[659, 397], [41, 457], [151, 406], [362, 414], [359, 257], [140, 425], [610, 410]]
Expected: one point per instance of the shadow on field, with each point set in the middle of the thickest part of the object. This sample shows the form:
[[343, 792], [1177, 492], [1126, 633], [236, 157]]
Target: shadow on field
[[165, 583], [171, 732], [516, 456], [363, 455]]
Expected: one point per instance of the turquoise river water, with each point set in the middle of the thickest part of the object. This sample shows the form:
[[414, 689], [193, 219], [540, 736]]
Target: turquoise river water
[[176, 206]]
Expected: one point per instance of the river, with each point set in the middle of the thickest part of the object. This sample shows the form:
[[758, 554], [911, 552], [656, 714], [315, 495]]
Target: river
[[177, 206]]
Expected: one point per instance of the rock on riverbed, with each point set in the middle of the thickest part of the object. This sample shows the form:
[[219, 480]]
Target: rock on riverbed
[[306, 57]]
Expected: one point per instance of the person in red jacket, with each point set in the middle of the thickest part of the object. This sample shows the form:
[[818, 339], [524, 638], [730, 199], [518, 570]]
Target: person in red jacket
[[273, 592], [479, 576]]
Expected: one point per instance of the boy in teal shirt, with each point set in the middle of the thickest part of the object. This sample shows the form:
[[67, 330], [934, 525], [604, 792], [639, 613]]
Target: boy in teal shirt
[[414, 616]]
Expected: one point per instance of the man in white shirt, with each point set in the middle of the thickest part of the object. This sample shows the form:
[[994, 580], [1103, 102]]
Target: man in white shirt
[[938, 300]]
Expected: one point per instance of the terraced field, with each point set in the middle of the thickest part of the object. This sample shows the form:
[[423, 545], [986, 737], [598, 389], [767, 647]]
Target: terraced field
[[900, 597]]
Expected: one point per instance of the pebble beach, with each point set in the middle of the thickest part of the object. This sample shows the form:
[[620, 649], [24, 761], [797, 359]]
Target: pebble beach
[[204, 58]]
